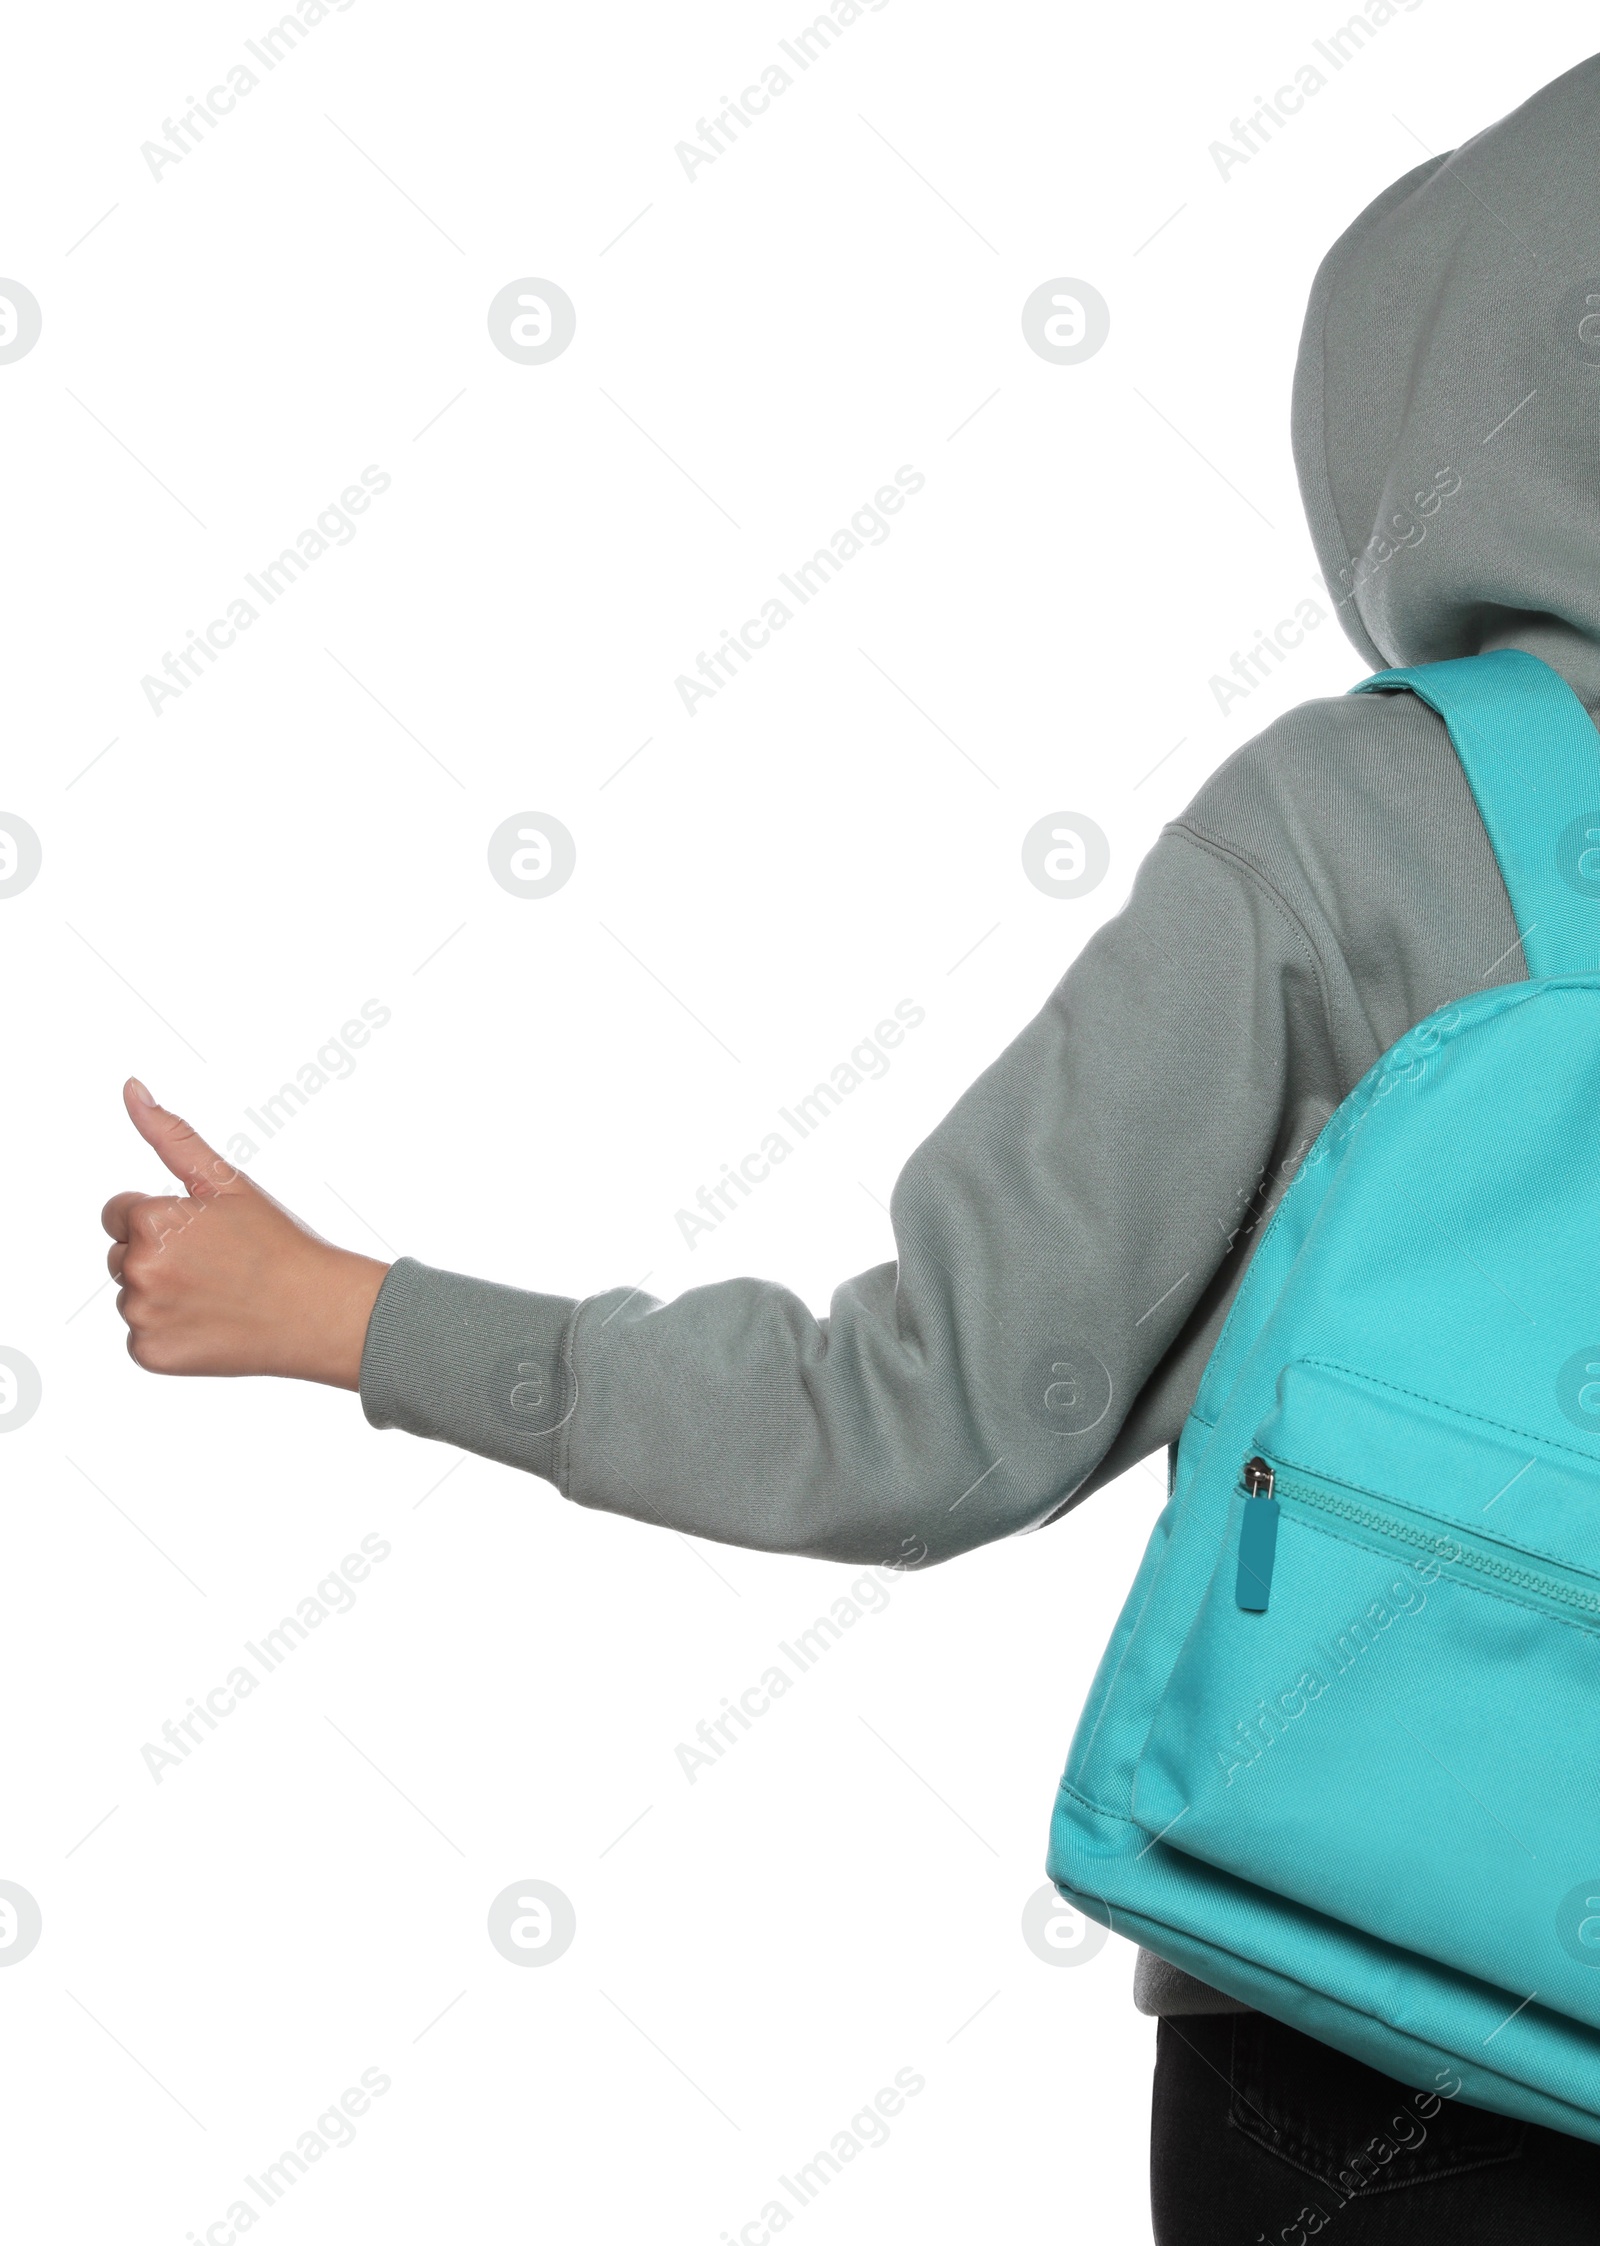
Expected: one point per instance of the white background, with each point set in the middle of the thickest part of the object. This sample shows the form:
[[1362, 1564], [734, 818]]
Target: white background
[[757, 351]]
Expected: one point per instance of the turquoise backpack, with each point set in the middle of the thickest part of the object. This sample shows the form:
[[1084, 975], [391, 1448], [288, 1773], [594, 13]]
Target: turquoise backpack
[[1341, 1758]]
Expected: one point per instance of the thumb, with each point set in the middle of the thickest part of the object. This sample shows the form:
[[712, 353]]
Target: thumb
[[199, 1167]]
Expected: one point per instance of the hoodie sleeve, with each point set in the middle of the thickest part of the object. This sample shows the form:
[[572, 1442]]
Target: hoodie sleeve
[[1067, 1240]]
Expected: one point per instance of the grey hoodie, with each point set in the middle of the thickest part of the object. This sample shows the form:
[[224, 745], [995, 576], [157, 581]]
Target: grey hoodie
[[1070, 1236]]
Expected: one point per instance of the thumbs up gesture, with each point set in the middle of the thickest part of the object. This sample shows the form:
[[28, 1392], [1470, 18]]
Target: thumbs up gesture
[[220, 1278]]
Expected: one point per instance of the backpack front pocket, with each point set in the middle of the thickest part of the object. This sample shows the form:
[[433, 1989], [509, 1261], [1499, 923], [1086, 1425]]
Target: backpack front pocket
[[1388, 1708]]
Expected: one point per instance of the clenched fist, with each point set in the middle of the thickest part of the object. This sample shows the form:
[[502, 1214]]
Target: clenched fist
[[221, 1279]]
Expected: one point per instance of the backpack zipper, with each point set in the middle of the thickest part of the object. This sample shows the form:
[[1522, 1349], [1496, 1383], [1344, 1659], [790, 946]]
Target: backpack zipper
[[1390, 1522], [1258, 1537]]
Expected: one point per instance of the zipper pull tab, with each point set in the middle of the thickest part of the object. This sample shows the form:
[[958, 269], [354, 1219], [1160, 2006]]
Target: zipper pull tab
[[1258, 1538]]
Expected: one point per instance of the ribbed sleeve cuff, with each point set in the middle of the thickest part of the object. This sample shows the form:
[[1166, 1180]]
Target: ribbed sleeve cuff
[[468, 1362]]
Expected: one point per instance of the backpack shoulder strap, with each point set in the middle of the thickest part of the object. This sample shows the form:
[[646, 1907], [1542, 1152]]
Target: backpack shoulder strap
[[1532, 759]]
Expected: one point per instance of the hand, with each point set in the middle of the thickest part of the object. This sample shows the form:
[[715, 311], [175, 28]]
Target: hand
[[222, 1279]]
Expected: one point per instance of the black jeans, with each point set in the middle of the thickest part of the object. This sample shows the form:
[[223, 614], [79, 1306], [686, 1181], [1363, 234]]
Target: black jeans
[[1261, 2137]]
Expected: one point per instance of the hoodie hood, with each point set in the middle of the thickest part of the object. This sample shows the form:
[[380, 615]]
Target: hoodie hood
[[1447, 399]]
